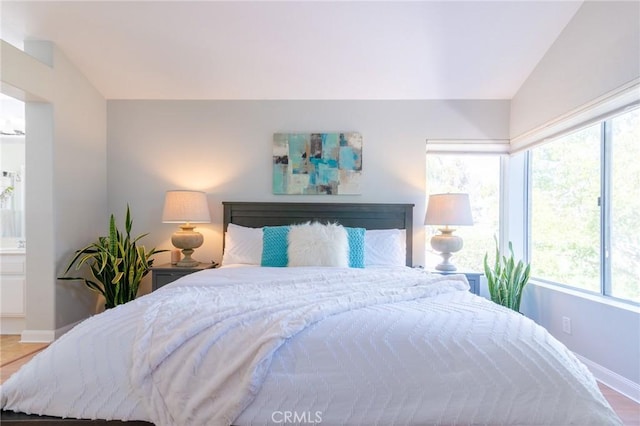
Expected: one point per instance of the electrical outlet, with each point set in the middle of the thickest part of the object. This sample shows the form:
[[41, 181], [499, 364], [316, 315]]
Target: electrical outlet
[[566, 325]]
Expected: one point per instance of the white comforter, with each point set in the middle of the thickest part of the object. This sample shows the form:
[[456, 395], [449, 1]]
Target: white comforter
[[382, 346]]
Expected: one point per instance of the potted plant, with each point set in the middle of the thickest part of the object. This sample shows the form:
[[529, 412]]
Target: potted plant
[[506, 279], [116, 262]]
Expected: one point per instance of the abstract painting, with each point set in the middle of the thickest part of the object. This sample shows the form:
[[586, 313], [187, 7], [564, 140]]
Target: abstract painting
[[317, 163]]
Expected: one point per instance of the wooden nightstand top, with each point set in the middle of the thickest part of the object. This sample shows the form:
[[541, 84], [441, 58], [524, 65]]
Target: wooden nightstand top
[[168, 267], [459, 271], [167, 273]]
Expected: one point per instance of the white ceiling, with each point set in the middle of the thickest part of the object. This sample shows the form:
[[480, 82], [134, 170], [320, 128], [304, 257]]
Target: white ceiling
[[296, 49]]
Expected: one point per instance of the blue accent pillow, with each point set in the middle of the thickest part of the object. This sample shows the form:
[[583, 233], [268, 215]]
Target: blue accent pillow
[[356, 247], [274, 246]]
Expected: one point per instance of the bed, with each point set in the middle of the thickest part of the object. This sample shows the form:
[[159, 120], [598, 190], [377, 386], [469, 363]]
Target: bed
[[246, 344]]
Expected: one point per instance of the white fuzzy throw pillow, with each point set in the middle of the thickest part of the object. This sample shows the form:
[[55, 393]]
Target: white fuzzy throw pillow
[[317, 244]]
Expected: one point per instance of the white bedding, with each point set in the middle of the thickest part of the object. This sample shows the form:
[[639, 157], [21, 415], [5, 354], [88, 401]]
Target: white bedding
[[349, 346]]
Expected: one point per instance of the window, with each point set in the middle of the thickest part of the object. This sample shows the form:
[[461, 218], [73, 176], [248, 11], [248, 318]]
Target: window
[[478, 176], [623, 209], [585, 204], [565, 219]]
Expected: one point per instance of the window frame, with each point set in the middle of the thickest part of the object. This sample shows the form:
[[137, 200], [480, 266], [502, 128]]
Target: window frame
[[604, 202]]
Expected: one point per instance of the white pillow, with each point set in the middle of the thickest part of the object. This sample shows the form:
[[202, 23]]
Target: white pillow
[[242, 245], [317, 244], [385, 247]]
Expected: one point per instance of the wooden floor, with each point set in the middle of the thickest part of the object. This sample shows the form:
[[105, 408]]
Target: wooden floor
[[14, 354], [627, 409]]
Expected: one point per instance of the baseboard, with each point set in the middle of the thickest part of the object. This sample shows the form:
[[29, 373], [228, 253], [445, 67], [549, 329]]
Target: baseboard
[[615, 381], [45, 336]]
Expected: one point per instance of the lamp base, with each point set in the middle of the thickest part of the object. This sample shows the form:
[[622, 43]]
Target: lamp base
[[445, 265], [187, 261], [187, 239], [446, 243], [182, 264]]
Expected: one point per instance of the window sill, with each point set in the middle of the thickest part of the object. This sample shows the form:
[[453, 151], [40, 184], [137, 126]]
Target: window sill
[[597, 298]]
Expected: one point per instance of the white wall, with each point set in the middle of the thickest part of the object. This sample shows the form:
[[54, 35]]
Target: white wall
[[598, 52], [225, 149], [66, 202], [80, 181], [605, 333]]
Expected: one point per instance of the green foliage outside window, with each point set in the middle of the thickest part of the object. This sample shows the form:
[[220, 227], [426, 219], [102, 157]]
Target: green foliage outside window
[[625, 206], [567, 192], [565, 218]]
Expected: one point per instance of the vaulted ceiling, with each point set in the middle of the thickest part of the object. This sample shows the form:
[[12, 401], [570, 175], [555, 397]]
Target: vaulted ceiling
[[296, 49]]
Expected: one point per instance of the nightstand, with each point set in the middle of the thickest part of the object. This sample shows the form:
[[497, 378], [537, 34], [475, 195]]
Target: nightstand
[[167, 273], [472, 277]]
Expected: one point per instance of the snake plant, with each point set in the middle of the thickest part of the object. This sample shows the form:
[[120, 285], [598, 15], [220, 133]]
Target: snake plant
[[507, 279], [116, 263]]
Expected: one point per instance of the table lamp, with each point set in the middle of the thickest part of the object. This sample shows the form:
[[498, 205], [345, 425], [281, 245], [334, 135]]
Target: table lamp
[[447, 210]]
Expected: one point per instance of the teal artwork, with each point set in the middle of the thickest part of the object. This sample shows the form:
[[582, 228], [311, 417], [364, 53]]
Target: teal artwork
[[317, 163]]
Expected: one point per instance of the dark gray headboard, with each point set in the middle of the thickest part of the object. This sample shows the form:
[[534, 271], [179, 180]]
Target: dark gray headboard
[[369, 216]]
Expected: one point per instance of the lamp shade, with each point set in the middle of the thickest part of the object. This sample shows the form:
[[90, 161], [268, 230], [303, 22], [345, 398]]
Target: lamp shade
[[448, 209], [186, 206]]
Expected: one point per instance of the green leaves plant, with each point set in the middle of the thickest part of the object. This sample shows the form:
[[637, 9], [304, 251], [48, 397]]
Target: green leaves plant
[[116, 264], [507, 279]]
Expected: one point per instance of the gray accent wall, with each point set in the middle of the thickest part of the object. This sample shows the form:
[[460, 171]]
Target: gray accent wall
[[225, 149]]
